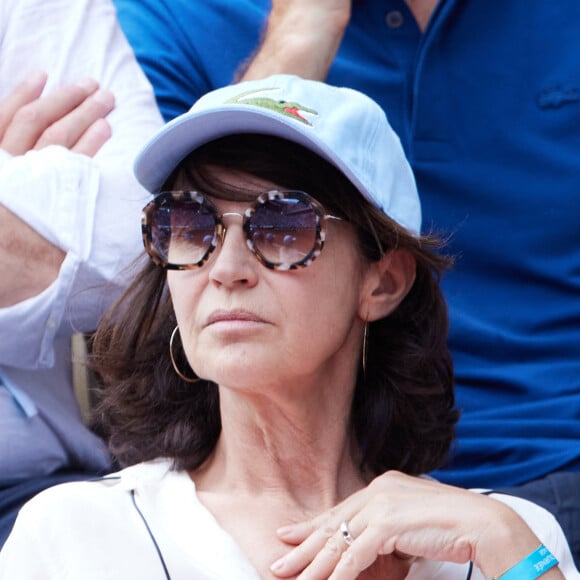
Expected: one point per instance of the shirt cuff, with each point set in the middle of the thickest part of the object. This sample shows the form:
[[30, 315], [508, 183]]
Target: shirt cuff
[[28, 329], [54, 191]]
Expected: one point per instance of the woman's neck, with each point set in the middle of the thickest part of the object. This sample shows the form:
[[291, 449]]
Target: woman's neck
[[293, 451], [279, 462]]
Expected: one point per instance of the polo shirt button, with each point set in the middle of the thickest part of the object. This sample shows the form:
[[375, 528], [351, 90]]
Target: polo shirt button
[[394, 19]]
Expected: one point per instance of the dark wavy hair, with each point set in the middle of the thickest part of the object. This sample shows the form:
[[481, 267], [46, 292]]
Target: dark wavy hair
[[402, 415]]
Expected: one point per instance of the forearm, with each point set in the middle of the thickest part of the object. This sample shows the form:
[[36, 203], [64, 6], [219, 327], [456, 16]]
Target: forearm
[[53, 193], [301, 38], [31, 261]]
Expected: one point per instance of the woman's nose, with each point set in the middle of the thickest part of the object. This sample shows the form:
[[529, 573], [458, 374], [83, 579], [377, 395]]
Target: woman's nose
[[234, 262]]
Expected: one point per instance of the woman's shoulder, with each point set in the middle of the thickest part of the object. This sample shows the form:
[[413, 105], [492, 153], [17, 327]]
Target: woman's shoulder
[[97, 497], [88, 525]]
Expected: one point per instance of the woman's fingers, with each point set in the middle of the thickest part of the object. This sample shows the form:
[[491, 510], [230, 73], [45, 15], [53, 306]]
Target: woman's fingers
[[319, 542], [66, 117], [336, 555], [368, 551], [326, 560], [316, 557], [296, 533]]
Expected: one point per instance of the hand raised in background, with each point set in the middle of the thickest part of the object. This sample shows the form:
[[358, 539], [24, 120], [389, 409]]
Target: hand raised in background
[[71, 116]]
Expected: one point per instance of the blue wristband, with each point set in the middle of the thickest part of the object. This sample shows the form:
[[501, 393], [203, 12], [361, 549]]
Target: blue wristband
[[531, 567]]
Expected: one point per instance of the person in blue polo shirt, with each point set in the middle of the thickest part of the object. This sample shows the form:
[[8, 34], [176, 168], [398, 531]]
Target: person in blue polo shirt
[[486, 101]]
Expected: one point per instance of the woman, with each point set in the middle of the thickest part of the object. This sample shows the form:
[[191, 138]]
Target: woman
[[282, 356]]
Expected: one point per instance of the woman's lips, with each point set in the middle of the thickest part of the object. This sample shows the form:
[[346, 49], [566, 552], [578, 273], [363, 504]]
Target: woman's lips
[[237, 315]]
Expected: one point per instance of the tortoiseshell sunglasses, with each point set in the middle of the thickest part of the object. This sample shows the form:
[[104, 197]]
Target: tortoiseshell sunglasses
[[284, 229]]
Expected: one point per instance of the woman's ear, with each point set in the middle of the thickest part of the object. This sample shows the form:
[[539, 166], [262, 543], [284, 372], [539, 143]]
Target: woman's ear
[[387, 282]]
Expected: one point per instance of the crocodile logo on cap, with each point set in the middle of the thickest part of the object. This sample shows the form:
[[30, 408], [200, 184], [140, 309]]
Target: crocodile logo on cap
[[290, 109]]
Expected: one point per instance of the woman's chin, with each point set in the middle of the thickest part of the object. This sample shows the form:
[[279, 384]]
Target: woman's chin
[[251, 364], [236, 370]]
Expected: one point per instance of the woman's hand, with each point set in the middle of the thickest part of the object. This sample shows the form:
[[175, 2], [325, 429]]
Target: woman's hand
[[71, 116], [406, 517]]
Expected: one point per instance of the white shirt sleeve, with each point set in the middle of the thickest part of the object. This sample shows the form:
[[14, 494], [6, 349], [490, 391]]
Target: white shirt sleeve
[[90, 208], [548, 530]]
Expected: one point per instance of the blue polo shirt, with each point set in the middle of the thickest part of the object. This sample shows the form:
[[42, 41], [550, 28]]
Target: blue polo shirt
[[487, 105]]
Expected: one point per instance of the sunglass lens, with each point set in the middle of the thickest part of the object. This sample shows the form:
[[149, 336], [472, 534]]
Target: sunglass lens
[[182, 232], [283, 231]]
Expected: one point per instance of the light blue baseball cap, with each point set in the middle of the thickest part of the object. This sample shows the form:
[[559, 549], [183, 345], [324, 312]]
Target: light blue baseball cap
[[343, 126]]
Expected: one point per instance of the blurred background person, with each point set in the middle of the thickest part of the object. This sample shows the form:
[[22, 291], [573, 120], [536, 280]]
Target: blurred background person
[[73, 105]]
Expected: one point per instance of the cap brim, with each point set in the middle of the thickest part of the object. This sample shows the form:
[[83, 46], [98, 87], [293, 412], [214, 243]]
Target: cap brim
[[186, 133]]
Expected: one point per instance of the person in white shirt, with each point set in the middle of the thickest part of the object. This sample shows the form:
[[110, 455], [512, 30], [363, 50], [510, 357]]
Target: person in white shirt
[[67, 200], [279, 370]]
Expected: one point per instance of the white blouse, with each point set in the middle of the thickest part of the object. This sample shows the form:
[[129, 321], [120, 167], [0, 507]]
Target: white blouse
[[147, 522]]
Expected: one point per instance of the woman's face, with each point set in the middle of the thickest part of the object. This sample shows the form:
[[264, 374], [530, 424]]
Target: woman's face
[[248, 327]]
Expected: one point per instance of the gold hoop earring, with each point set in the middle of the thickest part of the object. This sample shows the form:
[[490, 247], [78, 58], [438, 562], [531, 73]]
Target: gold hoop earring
[[177, 371], [364, 348]]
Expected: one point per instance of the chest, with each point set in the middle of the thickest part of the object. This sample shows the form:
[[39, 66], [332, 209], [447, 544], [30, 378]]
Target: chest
[[422, 11], [254, 530]]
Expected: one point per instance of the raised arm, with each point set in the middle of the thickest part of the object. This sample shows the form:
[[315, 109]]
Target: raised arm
[[74, 188], [72, 117], [301, 37]]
